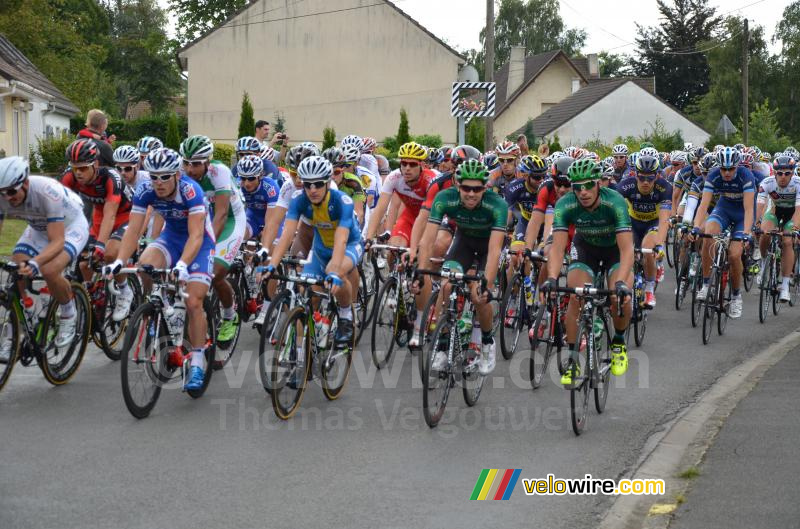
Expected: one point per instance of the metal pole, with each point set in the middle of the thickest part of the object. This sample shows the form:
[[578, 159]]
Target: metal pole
[[462, 131], [745, 83], [489, 70]]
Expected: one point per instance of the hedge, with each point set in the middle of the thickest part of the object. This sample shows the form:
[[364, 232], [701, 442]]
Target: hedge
[[132, 130]]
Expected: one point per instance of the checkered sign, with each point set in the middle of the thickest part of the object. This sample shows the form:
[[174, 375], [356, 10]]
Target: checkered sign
[[473, 100]]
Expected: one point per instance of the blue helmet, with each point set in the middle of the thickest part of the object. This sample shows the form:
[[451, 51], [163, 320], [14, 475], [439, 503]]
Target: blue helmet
[[250, 165], [646, 164], [728, 158], [248, 144], [162, 161], [148, 143]]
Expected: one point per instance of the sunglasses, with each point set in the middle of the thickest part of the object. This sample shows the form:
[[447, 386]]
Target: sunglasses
[[249, 178], [564, 184], [409, 164], [314, 185], [781, 173], [586, 186], [727, 169], [338, 170], [619, 156], [11, 191], [646, 177], [507, 160], [161, 177], [194, 163], [537, 177], [472, 189], [125, 169], [677, 164]]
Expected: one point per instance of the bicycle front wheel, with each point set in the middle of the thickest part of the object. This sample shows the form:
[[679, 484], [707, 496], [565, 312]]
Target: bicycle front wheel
[[290, 364], [9, 340], [111, 333], [269, 333], [579, 393], [437, 382], [602, 383], [710, 306], [385, 324], [144, 366], [335, 361], [542, 344], [513, 312], [764, 290], [59, 364]]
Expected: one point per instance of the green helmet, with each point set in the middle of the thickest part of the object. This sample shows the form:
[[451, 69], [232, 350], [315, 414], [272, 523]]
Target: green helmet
[[584, 171], [645, 144], [197, 147], [472, 170]]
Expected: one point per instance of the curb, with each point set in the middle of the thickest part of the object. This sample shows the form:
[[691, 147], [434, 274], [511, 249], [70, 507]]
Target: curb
[[687, 439]]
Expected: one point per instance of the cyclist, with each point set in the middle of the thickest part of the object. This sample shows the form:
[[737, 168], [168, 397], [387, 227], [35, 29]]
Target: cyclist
[[186, 245], [508, 156], [249, 145], [622, 169], [735, 209], [649, 199], [260, 194], [480, 216], [602, 235], [229, 221], [127, 163], [783, 190], [521, 195], [337, 248], [344, 167], [57, 232], [367, 159], [145, 145]]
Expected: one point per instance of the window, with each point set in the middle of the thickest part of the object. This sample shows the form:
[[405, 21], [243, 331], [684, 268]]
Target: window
[[576, 85]]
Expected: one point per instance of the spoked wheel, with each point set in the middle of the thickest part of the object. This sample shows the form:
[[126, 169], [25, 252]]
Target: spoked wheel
[[542, 344], [579, 394], [669, 248], [9, 341], [640, 326], [227, 347], [360, 308], [602, 346], [385, 324], [269, 332], [682, 283], [59, 364], [428, 327], [211, 345], [775, 290], [144, 366], [334, 362], [513, 315], [794, 285], [697, 305], [436, 383], [290, 364], [110, 333], [710, 306], [725, 294], [764, 290]]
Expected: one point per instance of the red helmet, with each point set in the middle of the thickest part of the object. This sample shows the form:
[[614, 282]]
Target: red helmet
[[82, 152]]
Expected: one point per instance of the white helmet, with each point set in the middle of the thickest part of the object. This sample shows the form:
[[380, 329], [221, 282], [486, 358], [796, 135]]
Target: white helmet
[[267, 152], [162, 161], [13, 171], [620, 150], [250, 165], [126, 154], [352, 139], [311, 147], [315, 169]]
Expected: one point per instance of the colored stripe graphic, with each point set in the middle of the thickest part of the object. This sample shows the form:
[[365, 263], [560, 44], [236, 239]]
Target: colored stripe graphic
[[495, 484]]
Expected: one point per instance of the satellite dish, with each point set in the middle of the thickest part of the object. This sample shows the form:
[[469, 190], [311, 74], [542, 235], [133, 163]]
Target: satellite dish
[[468, 74]]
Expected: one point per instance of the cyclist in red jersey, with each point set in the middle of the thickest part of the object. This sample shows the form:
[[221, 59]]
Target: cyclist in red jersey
[[105, 189]]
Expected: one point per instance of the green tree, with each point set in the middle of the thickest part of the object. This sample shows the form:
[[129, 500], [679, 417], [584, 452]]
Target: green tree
[[328, 138], [613, 64], [764, 129], [475, 133], [197, 17], [280, 122], [403, 136], [667, 51], [247, 123], [787, 65], [173, 137]]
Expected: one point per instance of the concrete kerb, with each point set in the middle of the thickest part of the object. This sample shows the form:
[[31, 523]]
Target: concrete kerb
[[686, 440]]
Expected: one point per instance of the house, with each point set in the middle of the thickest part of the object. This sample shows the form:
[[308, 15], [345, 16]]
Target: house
[[31, 106], [141, 109], [349, 64]]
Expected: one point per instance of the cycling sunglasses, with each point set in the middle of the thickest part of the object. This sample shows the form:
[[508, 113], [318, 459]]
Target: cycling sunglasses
[[472, 189], [124, 169], [11, 191], [408, 164], [507, 160], [314, 185], [782, 173], [646, 177], [563, 184], [161, 177], [534, 176], [194, 163], [249, 178], [588, 186]]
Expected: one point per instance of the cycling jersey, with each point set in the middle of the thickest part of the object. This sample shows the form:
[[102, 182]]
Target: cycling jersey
[[693, 200], [623, 173], [352, 186], [218, 181], [438, 184], [731, 191], [498, 181], [107, 187], [489, 215], [598, 227], [336, 210], [520, 197], [270, 171], [411, 196], [257, 202], [645, 208], [685, 178], [787, 197], [46, 201], [370, 163]]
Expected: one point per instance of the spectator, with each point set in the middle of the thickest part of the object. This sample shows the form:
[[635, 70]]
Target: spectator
[[522, 141], [96, 125], [544, 150], [262, 130]]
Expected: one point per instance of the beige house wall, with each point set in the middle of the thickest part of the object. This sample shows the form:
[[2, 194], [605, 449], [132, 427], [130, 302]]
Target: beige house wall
[[5, 125], [553, 85], [353, 70]]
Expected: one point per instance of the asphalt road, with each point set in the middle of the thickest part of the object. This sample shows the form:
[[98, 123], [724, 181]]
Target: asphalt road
[[74, 457]]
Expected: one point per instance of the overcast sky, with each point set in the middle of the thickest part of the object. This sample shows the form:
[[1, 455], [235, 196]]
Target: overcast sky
[[610, 24]]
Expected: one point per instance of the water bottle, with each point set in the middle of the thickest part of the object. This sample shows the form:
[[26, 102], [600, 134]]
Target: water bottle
[[31, 312], [464, 324], [178, 318], [693, 267], [528, 292], [598, 327], [323, 325]]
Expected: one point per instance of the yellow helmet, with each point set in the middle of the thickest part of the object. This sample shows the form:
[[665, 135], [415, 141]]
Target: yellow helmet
[[413, 151]]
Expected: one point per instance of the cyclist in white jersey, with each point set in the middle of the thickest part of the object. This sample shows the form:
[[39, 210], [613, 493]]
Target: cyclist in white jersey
[[127, 164], [57, 232]]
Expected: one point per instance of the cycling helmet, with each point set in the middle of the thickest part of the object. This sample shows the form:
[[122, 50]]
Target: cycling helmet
[[472, 169], [82, 152], [352, 139], [369, 145], [296, 155], [632, 158], [755, 151], [688, 146], [680, 157], [608, 172], [532, 164], [649, 151], [620, 149], [608, 160], [162, 161], [699, 152], [447, 152], [561, 166], [312, 147], [556, 155], [126, 154], [728, 157], [747, 160], [491, 161], [591, 155], [784, 162], [351, 154], [463, 153], [197, 147], [766, 157], [412, 151], [267, 152], [791, 151], [574, 152], [647, 164], [335, 156], [645, 144], [584, 171], [148, 143], [708, 161], [13, 171], [250, 165], [507, 148], [434, 156], [740, 147], [248, 144], [315, 169], [718, 148]]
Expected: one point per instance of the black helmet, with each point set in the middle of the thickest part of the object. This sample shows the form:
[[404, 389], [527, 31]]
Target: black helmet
[[561, 166], [463, 153], [82, 152], [647, 164]]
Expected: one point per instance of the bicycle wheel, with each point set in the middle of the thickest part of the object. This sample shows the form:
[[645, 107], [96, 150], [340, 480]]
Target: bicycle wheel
[[268, 335], [640, 326], [436, 384], [602, 352], [775, 291], [59, 365], [428, 326], [764, 289], [290, 362], [9, 340], [385, 324], [669, 247], [334, 362], [514, 312], [211, 345], [579, 393], [144, 366], [112, 333], [228, 347], [542, 344], [710, 306], [372, 282], [360, 308], [697, 306], [794, 285], [682, 282], [725, 294]]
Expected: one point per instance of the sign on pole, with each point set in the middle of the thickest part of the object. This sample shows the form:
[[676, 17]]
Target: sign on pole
[[473, 100]]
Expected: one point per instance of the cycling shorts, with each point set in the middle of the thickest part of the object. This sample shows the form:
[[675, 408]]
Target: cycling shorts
[[116, 235], [120, 223], [781, 218], [592, 259], [76, 235], [729, 215], [641, 229], [321, 257], [403, 227], [461, 255], [201, 269], [230, 240]]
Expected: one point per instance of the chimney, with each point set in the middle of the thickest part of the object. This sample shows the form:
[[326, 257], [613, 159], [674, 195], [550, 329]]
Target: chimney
[[594, 66], [516, 70]]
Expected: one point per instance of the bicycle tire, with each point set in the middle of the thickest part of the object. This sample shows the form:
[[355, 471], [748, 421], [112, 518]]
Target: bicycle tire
[[428, 326], [389, 290], [268, 334], [603, 368], [709, 307], [669, 246], [518, 304], [697, 305], [433, 411], [61, 371], [640, 326], [724, 303], [579, 394], [360, 316], [134, 333], [13, 320], [775, 290], [112, 344], [332, 386], [763, 288], [287, 337], [682, 281], [541, 347]]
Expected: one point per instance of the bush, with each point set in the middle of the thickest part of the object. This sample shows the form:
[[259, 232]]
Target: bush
[[391, 145], [49, 155], [328, 138], [224, 153], [661, 139], [428, 140], [173, 137], [403, 135], [132, 130], [386, 153], [247, 123], [476, 133]]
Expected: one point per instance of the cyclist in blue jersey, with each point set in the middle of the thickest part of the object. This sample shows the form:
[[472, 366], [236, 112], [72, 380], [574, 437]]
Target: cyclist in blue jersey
[[735, 209], [623, 168], [186, 245], [249, 145], [260, 193], [337, 248]]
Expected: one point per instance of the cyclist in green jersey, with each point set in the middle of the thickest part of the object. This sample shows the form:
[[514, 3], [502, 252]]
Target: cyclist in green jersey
[[480, 217], [347, 182], [602, 237]]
